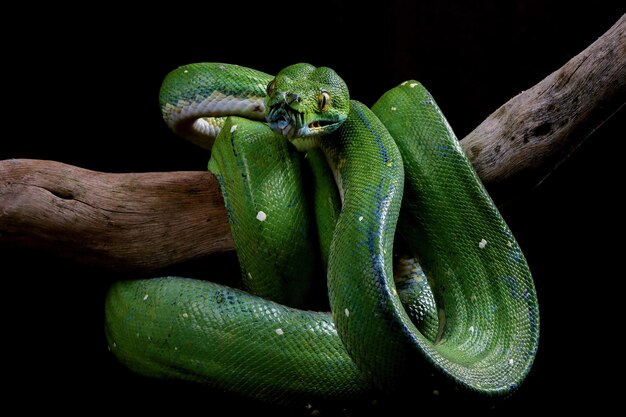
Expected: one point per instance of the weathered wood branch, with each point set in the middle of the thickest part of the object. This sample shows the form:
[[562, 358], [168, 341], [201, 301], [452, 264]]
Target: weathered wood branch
[[147, 222], [528, 136], [136, 222]]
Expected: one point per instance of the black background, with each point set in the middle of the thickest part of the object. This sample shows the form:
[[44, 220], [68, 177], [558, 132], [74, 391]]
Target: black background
[[82, 88]]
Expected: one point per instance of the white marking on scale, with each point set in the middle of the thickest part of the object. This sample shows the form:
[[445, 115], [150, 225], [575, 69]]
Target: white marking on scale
[[233, 128], [482, 244], [404, 83], [261, 216], [511, 361], [347, 312], [145, 297], [471, 329], [360, 218], [185, 315], [413, 85], [394, 108], [279, 332], [186, 71]]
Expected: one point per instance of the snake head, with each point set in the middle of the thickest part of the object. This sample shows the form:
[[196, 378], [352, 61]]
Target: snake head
[[304, 102]]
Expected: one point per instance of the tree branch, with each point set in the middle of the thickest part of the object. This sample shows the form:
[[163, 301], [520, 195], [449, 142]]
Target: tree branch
[[147, 222], [526, 138], [135, 222]]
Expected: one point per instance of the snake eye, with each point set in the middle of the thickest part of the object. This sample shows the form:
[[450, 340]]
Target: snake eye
[[270, 87], [323, 100]]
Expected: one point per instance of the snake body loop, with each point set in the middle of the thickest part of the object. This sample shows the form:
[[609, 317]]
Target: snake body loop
[[474, 315]]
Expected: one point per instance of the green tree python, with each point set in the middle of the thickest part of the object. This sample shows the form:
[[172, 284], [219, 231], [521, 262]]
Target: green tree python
[[471, 312]]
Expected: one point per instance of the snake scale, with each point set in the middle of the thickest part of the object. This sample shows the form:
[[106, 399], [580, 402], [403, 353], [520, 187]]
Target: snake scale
[[471, 313]]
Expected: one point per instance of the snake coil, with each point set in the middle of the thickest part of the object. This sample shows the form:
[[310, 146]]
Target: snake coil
[[471, 310]]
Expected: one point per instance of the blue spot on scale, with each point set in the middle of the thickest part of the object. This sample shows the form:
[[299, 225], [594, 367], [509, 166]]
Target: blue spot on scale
[[444, 151]]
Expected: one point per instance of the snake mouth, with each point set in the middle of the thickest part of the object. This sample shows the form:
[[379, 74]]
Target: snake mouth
[[294, 124]]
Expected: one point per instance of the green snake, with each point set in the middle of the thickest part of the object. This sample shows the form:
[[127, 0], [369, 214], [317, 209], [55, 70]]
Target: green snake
[[471, 313]]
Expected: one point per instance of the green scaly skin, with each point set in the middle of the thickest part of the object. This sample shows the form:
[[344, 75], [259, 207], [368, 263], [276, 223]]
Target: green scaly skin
[[485, 308], [270, 221]]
